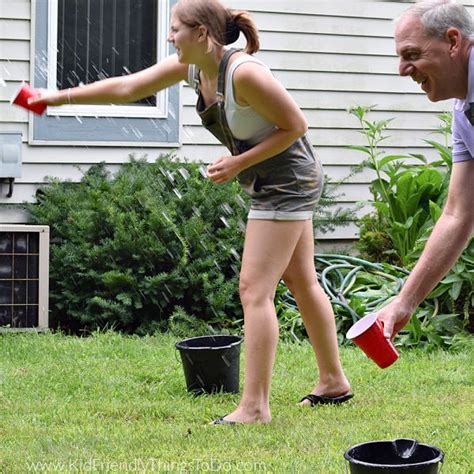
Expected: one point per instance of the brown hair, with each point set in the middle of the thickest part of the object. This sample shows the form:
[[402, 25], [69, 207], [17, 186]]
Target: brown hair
[[223, 25]]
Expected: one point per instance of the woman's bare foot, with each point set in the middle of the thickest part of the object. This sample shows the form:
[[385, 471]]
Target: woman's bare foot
[[247, 417]]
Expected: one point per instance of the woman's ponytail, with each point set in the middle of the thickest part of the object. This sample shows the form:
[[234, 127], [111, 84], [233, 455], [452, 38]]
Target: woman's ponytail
[[241, 21]]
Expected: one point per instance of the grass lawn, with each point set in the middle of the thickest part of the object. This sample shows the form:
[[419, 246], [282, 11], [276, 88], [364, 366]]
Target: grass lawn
[[110, 403]]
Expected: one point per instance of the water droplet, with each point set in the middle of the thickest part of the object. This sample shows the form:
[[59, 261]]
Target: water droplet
[[235, 254], [180, 196], [224, 221], [184, 173], [226, 207], [203, 171], [78, 119], [240, 201]]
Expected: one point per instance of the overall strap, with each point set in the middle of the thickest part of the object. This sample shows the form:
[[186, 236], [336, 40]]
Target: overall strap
[[227, 137], [222, 70]]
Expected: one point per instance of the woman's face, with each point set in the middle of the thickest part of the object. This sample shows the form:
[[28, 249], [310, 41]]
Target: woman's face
[[184, 39]]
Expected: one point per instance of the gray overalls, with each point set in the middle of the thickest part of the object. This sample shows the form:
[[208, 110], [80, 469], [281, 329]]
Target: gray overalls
[[284, 187]]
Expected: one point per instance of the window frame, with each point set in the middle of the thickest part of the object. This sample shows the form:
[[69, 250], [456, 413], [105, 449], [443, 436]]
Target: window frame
[[99, 125]]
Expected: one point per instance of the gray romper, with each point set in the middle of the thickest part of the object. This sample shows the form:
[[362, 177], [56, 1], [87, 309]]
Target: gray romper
[[284, 187]]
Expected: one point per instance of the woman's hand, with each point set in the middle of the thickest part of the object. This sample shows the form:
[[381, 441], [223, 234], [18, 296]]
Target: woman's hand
[[223, 169], [48, 97]]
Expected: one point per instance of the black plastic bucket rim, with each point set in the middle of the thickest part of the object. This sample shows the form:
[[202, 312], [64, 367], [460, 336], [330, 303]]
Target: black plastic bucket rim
[[348, 456], [183, 345]]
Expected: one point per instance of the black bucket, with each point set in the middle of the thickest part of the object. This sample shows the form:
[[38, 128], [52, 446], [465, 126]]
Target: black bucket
[[404, 456], [211, 363]]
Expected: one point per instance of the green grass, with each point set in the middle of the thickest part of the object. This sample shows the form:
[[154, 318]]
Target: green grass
[[110, 403]]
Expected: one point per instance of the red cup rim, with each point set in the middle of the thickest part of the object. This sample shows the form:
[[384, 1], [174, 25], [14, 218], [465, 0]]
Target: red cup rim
[[361, 326]]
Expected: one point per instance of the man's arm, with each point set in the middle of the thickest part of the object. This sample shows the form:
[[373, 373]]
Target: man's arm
[[450, 236]]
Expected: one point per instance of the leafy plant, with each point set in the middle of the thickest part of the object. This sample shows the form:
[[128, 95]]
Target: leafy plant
[[408, 199], [401, 191]]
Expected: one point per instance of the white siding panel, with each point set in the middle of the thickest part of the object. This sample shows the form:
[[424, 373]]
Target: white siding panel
[[311, 42], [15, 9], [14, 71], [332, 119], [12, 114], [329, 62], [342, 100], [14, 50], [14, 29], [357, 8]]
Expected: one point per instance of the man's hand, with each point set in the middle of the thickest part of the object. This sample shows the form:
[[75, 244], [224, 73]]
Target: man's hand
[[394, 317]]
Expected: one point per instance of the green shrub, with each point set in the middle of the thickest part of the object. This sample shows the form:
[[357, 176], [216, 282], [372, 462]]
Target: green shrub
[[130, 250]]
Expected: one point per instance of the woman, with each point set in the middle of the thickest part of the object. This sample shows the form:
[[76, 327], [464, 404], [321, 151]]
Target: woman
[[250, 112]]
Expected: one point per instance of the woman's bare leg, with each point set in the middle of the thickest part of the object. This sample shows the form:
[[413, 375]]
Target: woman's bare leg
[[269, 246], [318, 316]]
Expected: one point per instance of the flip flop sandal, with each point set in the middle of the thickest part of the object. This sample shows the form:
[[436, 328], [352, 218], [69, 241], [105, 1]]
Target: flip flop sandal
[[221, 421], [321, 400]]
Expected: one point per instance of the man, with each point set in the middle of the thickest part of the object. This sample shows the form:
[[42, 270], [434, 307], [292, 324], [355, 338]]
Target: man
[[434, 40]]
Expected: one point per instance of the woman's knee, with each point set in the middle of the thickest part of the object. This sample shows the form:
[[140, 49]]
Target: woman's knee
[[299, 285], [254, 291]]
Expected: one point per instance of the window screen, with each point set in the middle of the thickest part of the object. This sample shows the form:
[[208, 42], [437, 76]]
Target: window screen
[[105, 38]]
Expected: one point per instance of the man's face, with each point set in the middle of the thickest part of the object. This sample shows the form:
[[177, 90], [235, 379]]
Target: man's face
[[425, 59]]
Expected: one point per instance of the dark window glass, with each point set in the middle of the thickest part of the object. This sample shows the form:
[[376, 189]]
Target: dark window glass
[[104, 38], [32, 292], [5, 315], [33, 270], [33, 242], [6, 242], [6, 266], [21, 243], [19, 292], [6, 296], [32, 316], [20, 317], [19, 266]]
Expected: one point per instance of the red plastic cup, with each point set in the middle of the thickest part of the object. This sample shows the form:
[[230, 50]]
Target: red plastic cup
[[367, 333], [22, 96]]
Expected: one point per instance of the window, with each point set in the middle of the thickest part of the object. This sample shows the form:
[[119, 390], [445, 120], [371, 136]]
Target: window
[[82, 41]]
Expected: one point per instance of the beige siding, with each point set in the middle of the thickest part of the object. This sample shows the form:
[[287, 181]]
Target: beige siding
[[331, 55]]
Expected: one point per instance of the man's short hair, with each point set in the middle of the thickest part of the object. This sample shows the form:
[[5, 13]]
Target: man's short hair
[[437, 16]]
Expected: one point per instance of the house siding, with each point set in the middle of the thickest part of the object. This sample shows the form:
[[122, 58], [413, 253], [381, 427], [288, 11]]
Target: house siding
[[330, 55]]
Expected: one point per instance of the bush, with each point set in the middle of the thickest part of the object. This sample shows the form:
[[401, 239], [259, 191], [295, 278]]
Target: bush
[[129, 251]]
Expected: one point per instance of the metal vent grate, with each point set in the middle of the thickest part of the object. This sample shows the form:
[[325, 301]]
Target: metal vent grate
[[24, 276]]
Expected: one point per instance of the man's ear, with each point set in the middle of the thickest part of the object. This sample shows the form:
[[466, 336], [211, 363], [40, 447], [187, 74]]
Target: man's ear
[[454, 38]]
